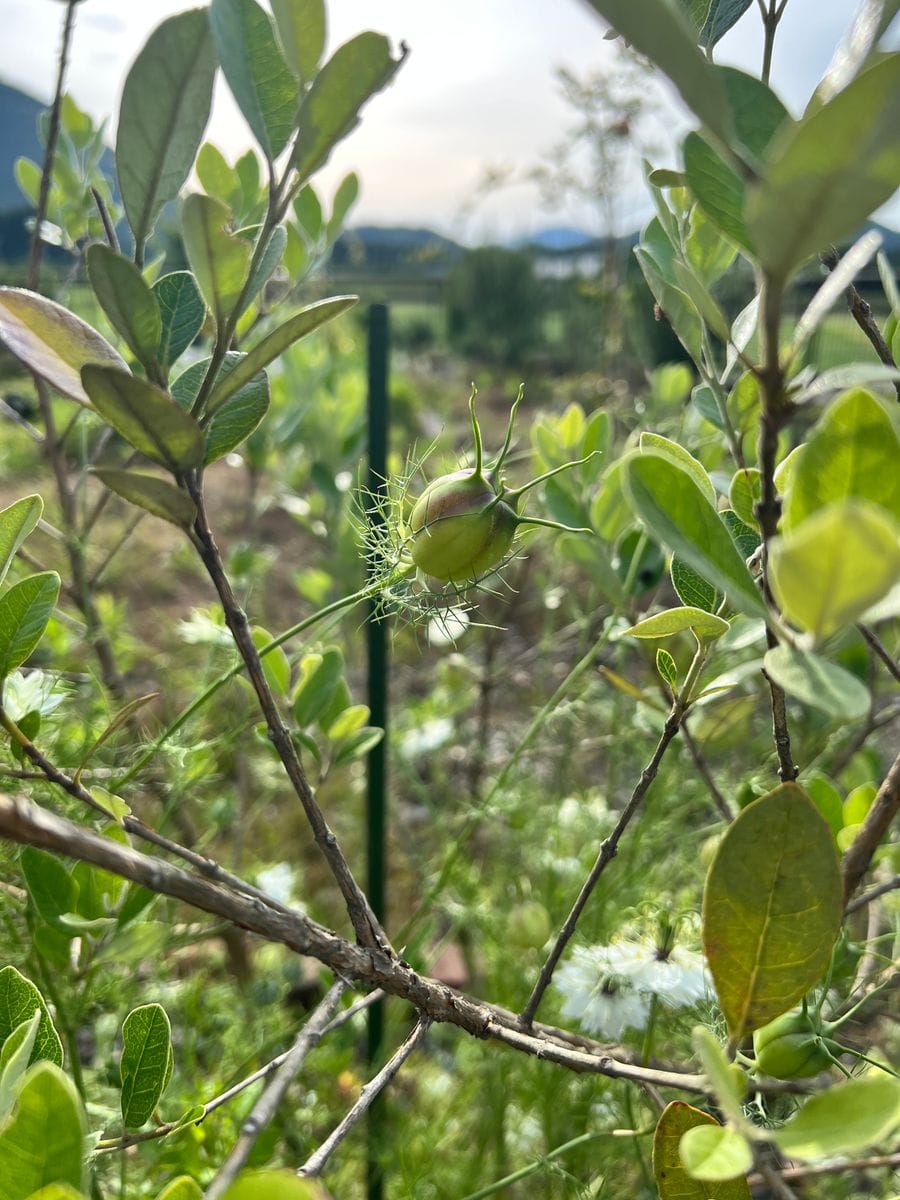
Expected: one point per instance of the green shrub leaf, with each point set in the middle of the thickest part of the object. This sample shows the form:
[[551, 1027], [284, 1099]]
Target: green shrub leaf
[[301, 30], [296, 327], [828, 570], [50, 886], [165, 107], [182, 313], [18, 1000], [127, 300], [150, 493], [242, 411], [274, 1185], [14, 1061], [852, 453], [676, 620], [43, 1142], [51, 341], [183, 1188], [827, 174], [146, 417], [715, 1153], [817, 682], [675, 510], [772, 908], [257, 74], [672, 1180], [146, 1065], [846, 1118], [220, 260], [24, 612], [330, 110], [16, 522]]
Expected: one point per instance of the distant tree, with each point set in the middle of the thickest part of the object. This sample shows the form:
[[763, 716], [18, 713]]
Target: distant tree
[[495, 303]]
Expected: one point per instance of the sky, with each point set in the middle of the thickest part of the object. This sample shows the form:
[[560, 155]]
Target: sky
[[478, 91]]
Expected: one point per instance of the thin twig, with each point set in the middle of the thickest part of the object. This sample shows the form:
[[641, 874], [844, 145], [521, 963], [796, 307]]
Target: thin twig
[[607, 853], [884, 808], [878, 648], [264, 1110], [29, 824], [775, 411], [17, 419], [365, 924], [116, 547], [861, 311], [836, 1168], [864, 898], [706, 774], [161, 1131], [316, 1162], [131, 824], [108, 228], [37, 242], [772, 1176]]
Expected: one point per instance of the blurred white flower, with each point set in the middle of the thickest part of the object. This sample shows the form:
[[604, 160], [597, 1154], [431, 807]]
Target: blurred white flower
[[608, 989]]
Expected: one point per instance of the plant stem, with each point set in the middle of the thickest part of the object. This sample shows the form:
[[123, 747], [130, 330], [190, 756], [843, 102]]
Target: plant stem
[[775, 410], [316, 1162], [608, 850], [538, 1165], [264, 1110], [461, 840], [884, 808], [366, 926]]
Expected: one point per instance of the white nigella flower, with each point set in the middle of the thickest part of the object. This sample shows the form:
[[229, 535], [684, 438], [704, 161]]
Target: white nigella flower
[[608, 989]]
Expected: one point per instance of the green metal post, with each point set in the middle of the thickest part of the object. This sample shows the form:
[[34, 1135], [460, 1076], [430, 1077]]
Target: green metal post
[[377, 644]]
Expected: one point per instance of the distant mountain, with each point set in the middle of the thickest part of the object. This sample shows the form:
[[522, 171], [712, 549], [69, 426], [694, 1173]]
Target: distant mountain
[[398, 250], [18, 137], [556, 237]]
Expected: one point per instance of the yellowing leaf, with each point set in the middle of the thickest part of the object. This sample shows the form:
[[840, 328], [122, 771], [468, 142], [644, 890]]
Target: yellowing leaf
[[772, 908], [836, 564]]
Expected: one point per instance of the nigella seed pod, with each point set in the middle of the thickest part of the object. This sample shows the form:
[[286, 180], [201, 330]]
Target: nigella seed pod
[[791, 1047], [463, 525], [461, 528]]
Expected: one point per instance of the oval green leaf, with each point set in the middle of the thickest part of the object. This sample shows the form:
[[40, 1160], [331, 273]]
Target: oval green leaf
[[16, 522], [24, 612], [817, 682], [51, 341], [843, 1120], [715, 1153], [43, 1142], [260, 80], [771, 908], [672, 1180], [296, 327], [183, 1188], [236, 419], [18, 1000], [220, 260], [154, 495], [146, 417], [706, 625], [827, 571], [274, 1185], [146, 1062], [165, 107], [676, 511], [127, 300], [330, 109], [852, 453], [182, 313], [829, 173], [301, 31]]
